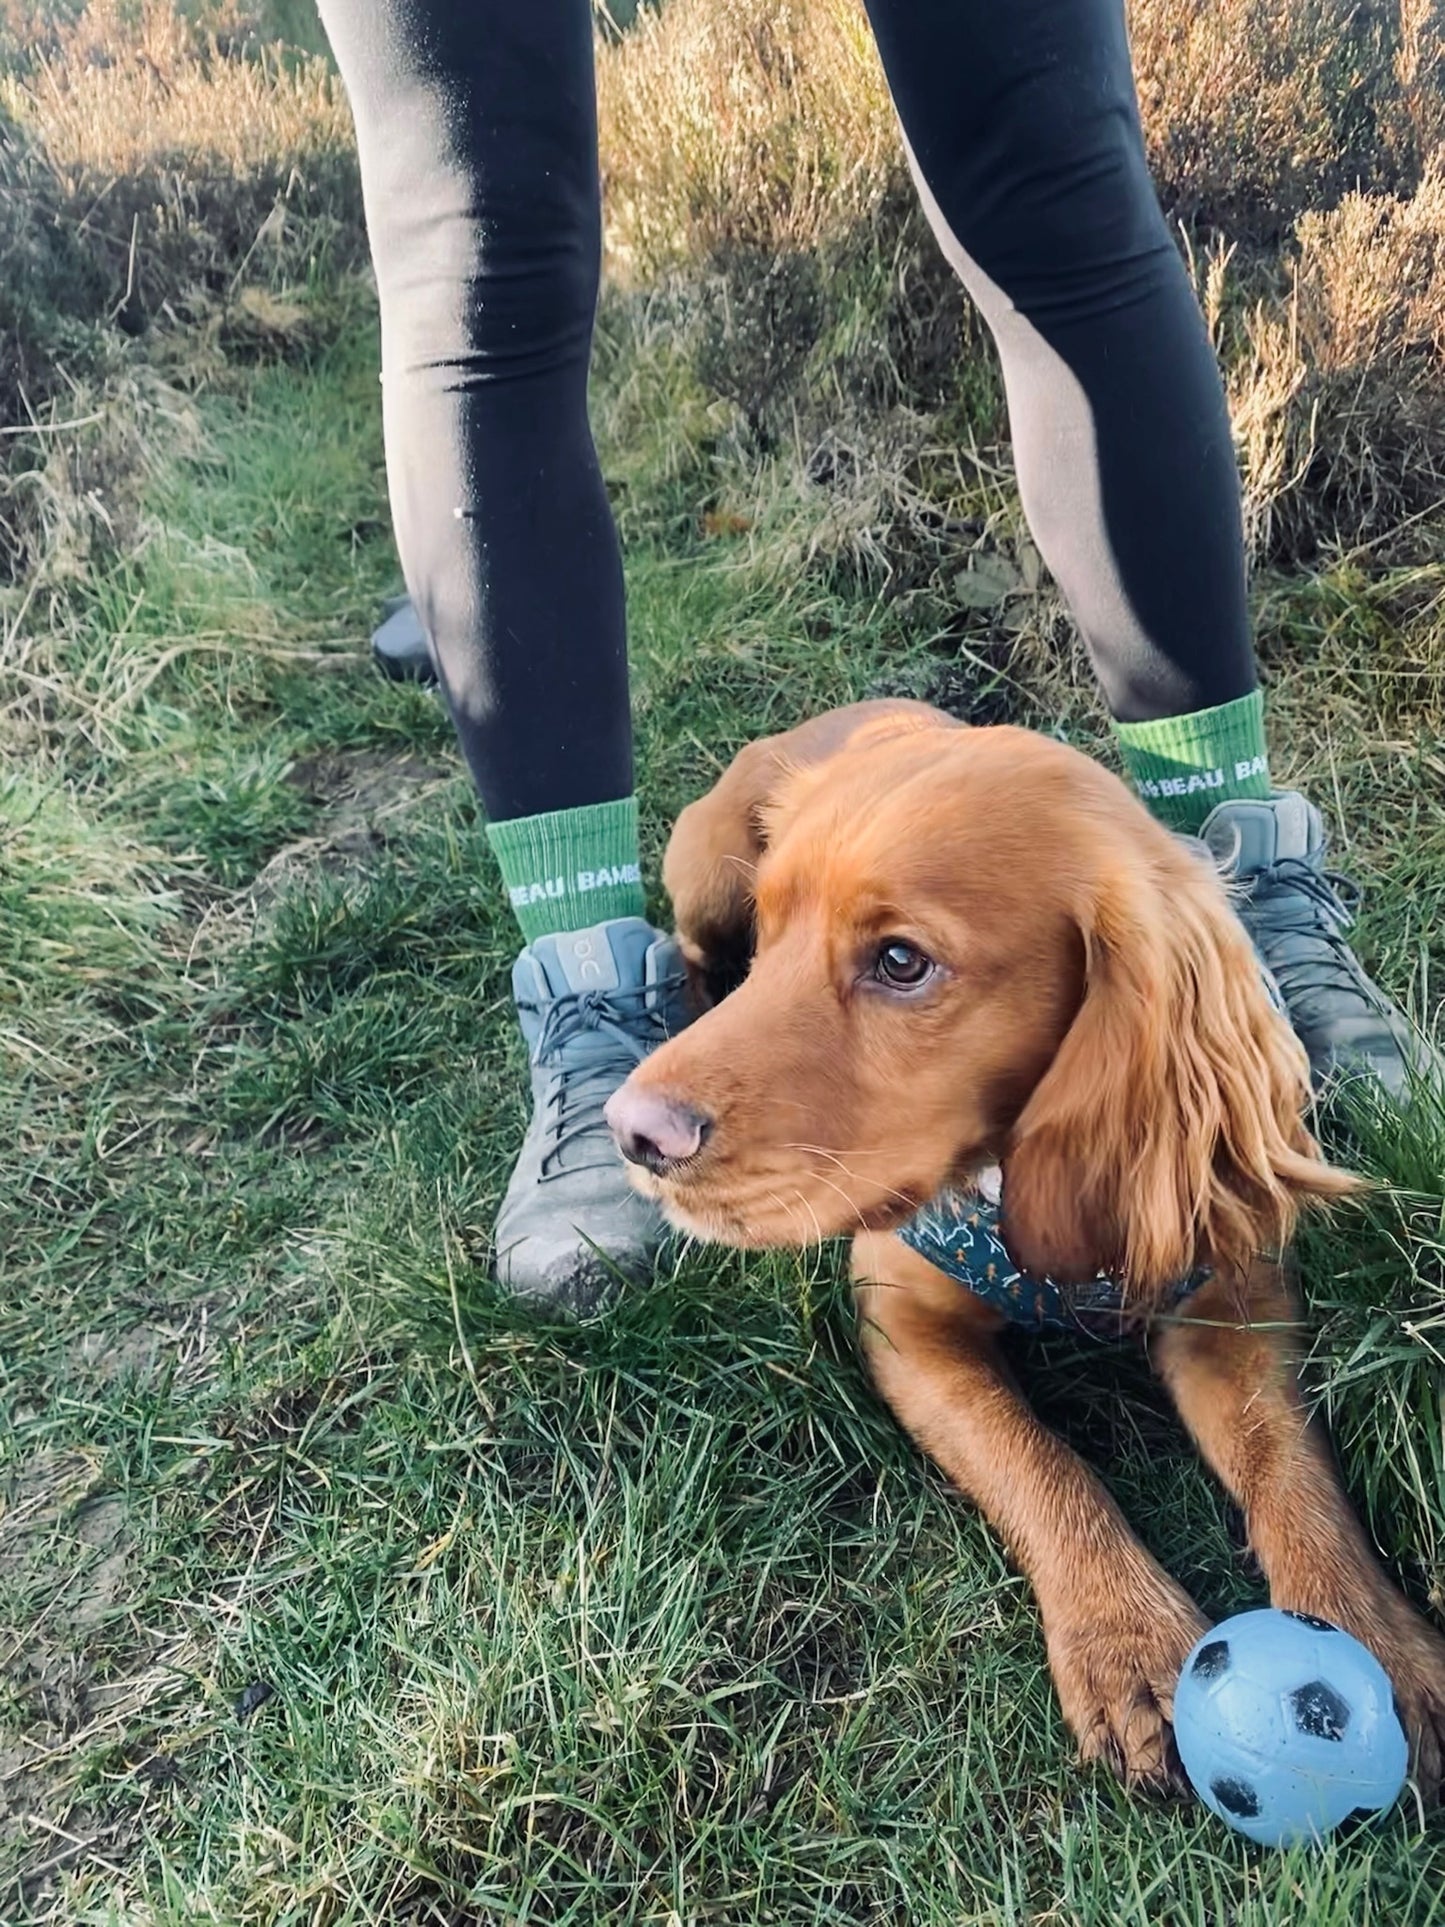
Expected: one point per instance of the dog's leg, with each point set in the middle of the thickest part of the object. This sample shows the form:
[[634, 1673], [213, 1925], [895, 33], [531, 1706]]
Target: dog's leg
[[1117, 1626], [1229, 1361]]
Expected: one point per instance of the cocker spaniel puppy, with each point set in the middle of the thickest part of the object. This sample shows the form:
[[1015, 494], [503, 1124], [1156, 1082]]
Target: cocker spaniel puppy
[[1005, 1029]]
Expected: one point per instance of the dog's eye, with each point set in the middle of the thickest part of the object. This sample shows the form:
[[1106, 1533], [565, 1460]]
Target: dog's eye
[[902, 965]]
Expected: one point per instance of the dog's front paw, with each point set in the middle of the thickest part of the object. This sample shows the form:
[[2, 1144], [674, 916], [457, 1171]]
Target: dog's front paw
[[1417, 1672], [1116, 1676]]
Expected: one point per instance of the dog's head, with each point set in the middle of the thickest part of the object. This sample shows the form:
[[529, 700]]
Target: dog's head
[[976, 947]]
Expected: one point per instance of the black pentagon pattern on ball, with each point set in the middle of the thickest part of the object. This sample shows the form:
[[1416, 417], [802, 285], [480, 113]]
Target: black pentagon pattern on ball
[[1315, 1625], [1236, 1797], [1211, 1660], [1319, 1711]]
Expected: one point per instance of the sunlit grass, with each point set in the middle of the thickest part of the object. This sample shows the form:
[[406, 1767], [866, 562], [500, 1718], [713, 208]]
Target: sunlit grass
[[660, 1616], [659, 1620]]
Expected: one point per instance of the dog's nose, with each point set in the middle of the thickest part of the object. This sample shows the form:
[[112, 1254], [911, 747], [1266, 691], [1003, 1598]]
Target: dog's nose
[[655, 1130]]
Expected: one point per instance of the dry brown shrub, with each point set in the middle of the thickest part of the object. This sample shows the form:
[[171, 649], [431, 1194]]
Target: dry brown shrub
[[1418, 113], [764, 126], [182, 156], [1337, 393], [152, 167], [1372, 278], [131, 88], [753, 151], [1255, 110]]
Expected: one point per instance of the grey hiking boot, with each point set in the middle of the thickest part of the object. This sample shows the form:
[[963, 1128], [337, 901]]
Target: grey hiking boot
[[593, 1004], [400, 647], [1297, 913]]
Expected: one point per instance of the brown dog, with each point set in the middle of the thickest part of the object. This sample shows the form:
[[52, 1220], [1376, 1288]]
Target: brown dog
[[975, 948]]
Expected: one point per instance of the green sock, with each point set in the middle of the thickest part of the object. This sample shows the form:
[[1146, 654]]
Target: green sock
[[570, 869], [1183, 765]]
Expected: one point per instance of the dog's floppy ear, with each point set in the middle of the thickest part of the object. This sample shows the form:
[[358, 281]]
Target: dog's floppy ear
[[1168, 1132], [716, 844], [708, 870]]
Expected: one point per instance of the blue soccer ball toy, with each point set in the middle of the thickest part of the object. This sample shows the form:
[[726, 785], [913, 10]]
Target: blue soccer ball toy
[[1287, 1726]]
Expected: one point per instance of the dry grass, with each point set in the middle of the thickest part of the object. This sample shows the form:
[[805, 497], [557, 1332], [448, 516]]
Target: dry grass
[[1255, 110], [123, 89], [769, 125], [256, 1058], [165, 180], [765, 128], [186, 157], [1419, 63], [754, 153], [1335, 386]]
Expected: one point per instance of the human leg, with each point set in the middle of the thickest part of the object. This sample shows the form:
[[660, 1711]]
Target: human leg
[[1024, 137], [476, 129]]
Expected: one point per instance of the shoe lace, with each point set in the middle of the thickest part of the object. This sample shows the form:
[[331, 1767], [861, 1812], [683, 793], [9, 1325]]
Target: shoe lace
[[1329, 964], [633, 1021]]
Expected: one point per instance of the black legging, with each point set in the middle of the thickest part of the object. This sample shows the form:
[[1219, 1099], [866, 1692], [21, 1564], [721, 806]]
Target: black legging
[[477, 133]]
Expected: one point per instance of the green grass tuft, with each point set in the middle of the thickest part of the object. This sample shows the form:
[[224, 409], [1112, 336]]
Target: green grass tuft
[[658, 1620]]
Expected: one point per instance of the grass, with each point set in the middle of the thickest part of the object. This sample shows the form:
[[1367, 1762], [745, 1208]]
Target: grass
[[658, 1620]]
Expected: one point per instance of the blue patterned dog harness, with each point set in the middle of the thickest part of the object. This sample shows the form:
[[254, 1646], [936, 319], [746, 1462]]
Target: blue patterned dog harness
[[958, 1232]]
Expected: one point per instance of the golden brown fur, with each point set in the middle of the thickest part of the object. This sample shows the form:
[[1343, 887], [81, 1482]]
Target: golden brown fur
[[1094, 1022]]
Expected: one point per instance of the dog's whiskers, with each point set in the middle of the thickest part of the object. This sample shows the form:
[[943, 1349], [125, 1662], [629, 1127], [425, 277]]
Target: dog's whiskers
[[852, 1205], [786, 1209], [817, 1227], [817, 1150]]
